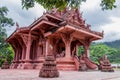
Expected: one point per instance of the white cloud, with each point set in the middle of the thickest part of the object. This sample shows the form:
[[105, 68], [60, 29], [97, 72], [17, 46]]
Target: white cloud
[[112, 30], [90, 5]]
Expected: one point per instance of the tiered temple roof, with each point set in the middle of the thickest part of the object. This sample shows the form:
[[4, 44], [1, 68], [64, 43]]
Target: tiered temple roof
[[55, 20]]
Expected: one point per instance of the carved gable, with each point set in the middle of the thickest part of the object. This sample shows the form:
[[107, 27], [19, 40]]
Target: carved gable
[[74, 17], [70, 16]]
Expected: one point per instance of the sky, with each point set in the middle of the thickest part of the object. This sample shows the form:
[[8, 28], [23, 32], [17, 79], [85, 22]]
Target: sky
[[108, 21]]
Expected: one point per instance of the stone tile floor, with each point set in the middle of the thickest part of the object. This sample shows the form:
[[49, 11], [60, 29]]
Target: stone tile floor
[[12, 74]]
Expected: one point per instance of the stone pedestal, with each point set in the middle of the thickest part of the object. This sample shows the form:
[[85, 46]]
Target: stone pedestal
[[49, 69], [5, 65]]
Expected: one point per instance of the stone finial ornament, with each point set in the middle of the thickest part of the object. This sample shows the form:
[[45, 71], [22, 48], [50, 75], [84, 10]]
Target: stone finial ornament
[[17, 26]]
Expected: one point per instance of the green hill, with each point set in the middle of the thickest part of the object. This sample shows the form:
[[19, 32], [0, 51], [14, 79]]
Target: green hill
[[113, 44]]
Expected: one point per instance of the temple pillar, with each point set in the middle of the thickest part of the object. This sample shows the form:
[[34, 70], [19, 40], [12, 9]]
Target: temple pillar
[[27, 57], [87, 53], [67, 39], [23, 52], [54, 49], [86, 47], [44, 48], [21, 57], [27, 64], [15, 56], [39, 51], [67, 49]]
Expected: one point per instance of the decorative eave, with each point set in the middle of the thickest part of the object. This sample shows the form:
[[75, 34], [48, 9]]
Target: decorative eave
[[18, 30], [90, 33], [44, 22], [45, 18], [87, 29]]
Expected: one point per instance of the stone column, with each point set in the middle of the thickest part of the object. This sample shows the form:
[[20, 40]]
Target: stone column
[[67, 39], [44, 49], [67, 49], [15, 56], [86, 47], [27, 64], [27, 57], [23, 53], [87, 53], [54, 49], [39, 52]]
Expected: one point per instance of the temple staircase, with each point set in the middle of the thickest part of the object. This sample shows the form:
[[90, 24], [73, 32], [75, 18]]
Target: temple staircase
[[90, 64], [66, 64], [84, 63]]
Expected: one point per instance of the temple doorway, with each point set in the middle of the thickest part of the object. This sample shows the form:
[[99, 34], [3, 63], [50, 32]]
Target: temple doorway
[[60, 49]]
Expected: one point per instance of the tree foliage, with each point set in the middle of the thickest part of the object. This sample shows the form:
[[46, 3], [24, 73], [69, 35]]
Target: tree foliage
[[108, 4], [6, 51], [97, 50], [100, 49], [80, 50], [61, 4]]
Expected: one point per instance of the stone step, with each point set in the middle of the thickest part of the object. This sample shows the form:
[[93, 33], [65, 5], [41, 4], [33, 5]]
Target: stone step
[[66, 67]]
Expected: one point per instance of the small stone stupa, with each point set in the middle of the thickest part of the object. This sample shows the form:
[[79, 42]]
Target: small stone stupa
[[105, 65], [5, 65], [49, 69]]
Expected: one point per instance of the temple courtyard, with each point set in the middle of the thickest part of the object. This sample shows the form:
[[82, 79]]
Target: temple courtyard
[[17, 74]]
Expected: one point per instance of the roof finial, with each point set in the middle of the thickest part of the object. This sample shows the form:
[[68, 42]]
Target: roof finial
[[17, 25], [102, 32], [35, 19]]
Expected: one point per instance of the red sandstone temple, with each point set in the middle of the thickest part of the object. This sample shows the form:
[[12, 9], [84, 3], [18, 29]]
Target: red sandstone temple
[[54, 33]]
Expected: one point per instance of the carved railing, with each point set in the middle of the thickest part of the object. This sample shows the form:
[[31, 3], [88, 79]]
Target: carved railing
[[90, 64], [77, 63]]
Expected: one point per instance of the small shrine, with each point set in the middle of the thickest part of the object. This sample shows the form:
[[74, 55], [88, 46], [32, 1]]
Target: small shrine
[[105, 65], [57, 33], [5, 65]]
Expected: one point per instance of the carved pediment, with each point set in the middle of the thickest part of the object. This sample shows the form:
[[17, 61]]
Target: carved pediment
[[74, 17], [70, 16]]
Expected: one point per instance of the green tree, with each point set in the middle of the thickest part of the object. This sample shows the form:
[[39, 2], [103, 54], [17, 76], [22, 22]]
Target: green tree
[[80, 50], [5, 49], [100, 49], [61, 4]]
